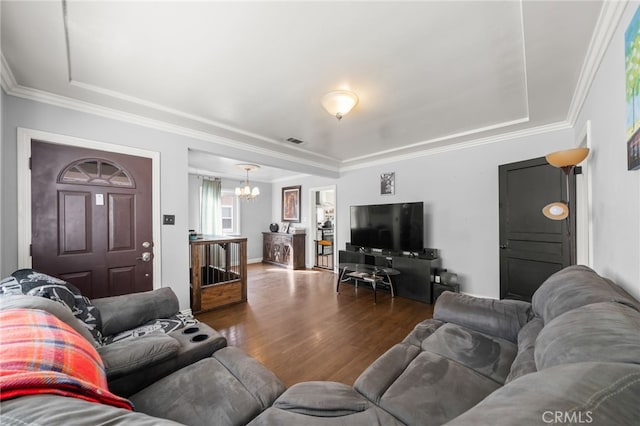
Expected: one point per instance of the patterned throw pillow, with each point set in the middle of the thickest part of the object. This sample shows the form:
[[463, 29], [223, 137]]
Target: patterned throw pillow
[[32, 283]]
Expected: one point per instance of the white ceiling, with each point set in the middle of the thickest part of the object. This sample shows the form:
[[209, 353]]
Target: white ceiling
[[428, 74]]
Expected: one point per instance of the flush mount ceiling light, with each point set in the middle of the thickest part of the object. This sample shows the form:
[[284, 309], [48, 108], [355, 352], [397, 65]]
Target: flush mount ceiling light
[[339, 102], [245, 192]]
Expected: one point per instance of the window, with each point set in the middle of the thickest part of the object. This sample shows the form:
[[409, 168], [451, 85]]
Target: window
[[229, 207], [96, 171]]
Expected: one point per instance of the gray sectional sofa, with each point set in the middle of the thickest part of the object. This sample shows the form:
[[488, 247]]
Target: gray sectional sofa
[[140, 337], [570, 357]]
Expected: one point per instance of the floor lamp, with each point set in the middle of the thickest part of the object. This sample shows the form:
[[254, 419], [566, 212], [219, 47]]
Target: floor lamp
[[566, 160]]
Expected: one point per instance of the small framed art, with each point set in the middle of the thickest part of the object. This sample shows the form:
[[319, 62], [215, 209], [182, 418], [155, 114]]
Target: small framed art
[[387, 183], [291, 203]]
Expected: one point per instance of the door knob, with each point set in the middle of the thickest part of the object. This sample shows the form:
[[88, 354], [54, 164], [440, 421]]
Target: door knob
[[503, 246], [146, 257]]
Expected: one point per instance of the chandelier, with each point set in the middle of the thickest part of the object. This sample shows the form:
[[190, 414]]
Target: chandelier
[[245, 192]]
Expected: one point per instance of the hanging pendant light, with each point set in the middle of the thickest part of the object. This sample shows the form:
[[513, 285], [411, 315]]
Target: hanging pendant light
[[245, 192]]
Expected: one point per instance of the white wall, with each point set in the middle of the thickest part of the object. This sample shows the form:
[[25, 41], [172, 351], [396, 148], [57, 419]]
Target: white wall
[[616, 191], [460, 192], [173, 165], [459, 188], [173, 149]]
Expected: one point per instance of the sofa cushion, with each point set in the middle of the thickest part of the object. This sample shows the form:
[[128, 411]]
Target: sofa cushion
[[322, 403], [573, 287], [421, 331], [525, 360], [56, 410], [487, 355], [376, 379], [122, 313], [322, 399], [230, 388], [501, 318], [590, 333], [433, 390], [580, 393], [121, 358]]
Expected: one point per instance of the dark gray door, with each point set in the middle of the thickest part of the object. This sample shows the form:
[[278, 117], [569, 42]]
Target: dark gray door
[[532, 247], [91, 218]]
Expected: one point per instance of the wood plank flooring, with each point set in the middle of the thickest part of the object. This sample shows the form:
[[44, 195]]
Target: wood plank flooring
[[298, 326]]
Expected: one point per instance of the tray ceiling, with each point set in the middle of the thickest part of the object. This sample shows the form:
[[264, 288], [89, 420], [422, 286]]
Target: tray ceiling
[[428, 74]]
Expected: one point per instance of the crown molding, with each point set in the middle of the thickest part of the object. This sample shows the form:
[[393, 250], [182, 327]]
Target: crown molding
[[606, 25], [8, 81], [608, 21], [425, 144], [539, 130], [193, 117], [14, 89]]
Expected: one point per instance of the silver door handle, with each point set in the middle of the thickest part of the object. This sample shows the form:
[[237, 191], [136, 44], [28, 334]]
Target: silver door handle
[[146, 257]]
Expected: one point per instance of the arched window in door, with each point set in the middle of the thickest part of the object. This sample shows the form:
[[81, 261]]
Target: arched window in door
[[96, 171]]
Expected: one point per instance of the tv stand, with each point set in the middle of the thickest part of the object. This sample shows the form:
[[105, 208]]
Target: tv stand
[[416, 274]]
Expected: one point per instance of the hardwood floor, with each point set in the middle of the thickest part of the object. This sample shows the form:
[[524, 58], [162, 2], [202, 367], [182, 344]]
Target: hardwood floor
[[298, 326]]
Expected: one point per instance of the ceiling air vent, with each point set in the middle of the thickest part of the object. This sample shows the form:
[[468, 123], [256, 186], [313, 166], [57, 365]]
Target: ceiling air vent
[[294, 140]]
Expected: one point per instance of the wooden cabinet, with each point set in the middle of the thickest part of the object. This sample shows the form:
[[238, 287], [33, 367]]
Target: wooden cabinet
[[284, 249], [218, 272]]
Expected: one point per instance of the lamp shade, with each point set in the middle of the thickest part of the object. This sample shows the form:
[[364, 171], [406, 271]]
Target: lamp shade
[[339, 102], [568, 157], [556, 211]]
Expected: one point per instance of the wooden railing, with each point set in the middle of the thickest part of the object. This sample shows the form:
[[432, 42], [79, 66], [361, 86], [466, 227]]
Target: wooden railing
[[218, 272]]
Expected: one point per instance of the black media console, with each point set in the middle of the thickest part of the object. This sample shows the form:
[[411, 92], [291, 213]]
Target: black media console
[[416, 273]]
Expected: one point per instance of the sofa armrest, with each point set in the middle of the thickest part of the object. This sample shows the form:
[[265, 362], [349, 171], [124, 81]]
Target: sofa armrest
[[124, 357], [121, 313], [499, 318]]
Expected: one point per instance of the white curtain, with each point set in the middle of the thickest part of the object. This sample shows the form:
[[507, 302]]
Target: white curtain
[[210, 208]]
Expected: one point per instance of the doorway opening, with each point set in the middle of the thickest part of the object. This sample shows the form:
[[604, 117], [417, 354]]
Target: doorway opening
[[322, 215]]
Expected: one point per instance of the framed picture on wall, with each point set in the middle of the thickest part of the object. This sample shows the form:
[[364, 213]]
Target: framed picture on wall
[[291, 203], [387, 183], [632, 78]]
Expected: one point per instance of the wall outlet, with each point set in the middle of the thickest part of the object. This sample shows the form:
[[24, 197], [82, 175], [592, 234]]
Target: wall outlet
[[169, 219]]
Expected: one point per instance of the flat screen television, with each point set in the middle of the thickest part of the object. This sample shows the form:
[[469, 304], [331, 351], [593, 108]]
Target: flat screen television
[[396, 227]]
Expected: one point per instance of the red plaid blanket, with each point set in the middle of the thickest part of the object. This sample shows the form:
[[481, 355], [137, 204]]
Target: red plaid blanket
[[39, 354]]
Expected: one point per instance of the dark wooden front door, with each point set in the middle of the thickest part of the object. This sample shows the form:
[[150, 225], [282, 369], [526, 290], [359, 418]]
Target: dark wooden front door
[[532, 247], [91, 218]]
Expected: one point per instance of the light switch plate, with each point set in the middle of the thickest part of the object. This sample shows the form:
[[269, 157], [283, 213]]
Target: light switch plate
[[169, 219]]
